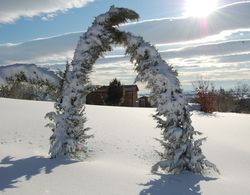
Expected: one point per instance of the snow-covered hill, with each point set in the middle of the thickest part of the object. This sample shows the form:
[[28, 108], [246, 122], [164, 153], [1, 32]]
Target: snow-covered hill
[[31, 71], [121, 154]]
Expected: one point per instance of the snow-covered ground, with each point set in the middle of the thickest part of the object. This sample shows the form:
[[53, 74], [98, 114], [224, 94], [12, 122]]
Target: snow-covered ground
[[121, 156]]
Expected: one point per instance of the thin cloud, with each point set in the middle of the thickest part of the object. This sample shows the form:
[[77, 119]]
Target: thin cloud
[[58, 48], [165, 31], [234, 16], [12, 10], [215, 49]]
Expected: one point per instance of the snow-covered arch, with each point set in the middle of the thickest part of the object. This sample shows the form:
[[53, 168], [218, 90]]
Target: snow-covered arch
[[69, 134]]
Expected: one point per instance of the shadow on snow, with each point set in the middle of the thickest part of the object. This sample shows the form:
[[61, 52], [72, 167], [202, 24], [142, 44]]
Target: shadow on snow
[[182, 184], [12, 170]]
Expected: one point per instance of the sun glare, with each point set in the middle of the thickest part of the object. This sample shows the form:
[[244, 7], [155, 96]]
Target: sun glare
[[199, 8]]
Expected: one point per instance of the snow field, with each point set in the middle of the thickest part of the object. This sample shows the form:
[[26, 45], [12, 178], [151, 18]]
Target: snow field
[[121, 154]]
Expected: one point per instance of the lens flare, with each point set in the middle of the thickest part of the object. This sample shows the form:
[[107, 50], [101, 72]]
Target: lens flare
[[200, 8]]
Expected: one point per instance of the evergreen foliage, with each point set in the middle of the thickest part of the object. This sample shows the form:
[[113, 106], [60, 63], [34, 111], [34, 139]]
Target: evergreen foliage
[[69, 134], [181, 151], [115, 93]]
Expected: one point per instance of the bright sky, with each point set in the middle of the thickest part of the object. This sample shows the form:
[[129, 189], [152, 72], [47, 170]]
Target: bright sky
[[190, 34]]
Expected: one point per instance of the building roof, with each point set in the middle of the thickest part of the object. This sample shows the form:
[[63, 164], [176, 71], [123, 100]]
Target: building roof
[[126, 87]]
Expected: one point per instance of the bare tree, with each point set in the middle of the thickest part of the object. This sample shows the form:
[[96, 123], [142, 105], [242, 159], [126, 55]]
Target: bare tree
[[205, 95], [241, 90]]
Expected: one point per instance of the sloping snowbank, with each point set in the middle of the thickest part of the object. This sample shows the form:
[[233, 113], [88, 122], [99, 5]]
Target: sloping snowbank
[[122, 153]]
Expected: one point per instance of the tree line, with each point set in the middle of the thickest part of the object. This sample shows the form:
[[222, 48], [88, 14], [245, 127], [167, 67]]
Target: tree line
[[222, 100]]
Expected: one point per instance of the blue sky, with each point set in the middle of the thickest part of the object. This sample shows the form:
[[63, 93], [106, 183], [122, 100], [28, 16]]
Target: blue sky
[[78, 19], [46, 33]]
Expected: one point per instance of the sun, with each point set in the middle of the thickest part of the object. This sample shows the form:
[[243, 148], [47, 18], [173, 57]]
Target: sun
[[200, 8]]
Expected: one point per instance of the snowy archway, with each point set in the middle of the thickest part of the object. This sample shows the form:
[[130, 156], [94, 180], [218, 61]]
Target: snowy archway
[[69, 134]]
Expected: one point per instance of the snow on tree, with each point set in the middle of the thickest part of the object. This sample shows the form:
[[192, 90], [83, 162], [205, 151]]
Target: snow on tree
[[69, 134], [181, 151], [31, 72], [28, 81]]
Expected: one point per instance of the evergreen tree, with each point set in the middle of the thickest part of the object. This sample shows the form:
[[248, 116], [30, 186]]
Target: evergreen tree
[[69, 134], [115, 93], [181, 151]]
